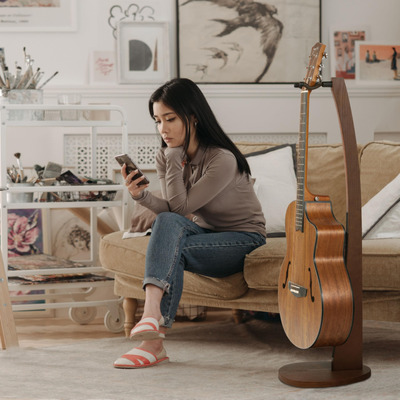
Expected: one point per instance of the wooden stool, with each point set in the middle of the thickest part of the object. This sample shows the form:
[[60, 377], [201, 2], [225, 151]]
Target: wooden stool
[[8, 333]]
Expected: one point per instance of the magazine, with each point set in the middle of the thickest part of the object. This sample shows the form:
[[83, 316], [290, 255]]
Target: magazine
[[46, 261]]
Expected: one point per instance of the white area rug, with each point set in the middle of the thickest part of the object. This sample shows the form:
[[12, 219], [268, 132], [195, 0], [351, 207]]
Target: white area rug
[[210, 361]]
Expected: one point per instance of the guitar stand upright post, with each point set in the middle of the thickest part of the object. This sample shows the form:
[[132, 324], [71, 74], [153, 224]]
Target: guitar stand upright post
[[346, 366]]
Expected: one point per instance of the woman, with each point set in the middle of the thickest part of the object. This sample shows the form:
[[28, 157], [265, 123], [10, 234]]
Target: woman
[[201, 173]]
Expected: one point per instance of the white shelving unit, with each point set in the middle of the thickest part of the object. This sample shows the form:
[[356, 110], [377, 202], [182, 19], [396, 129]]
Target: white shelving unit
[[72, 295]]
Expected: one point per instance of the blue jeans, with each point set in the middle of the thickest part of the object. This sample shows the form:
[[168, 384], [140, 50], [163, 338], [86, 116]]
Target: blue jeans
[[178, 244]]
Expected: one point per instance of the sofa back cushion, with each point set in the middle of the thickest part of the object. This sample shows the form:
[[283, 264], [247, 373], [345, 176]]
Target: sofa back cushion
[[325, 174], [379, 165]]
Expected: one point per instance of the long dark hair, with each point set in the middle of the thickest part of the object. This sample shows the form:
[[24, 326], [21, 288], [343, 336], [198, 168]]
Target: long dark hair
[[188, 101]]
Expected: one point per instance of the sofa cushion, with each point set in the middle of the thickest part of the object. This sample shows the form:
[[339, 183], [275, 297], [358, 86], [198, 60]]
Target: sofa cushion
[[275, 183], [381, 214], [381, 264], [126, 257], [325, 173], [262, 266], [379, 165], [326, 176]]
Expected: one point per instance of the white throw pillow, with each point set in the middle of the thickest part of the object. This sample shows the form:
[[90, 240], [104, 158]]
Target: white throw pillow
[[275, 185], [381, 214]]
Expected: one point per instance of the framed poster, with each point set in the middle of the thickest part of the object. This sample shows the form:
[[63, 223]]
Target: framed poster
[[27, 236], [143, 52], [70, 236], [377, 61], [343, 51], [246, 41], [103, 68], [26, 232], [37, 15]]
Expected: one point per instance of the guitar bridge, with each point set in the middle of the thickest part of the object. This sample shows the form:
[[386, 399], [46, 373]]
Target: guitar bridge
[[297, 290]]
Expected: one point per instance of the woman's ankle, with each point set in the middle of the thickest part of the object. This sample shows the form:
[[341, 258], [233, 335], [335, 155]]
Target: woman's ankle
[[154, 346]]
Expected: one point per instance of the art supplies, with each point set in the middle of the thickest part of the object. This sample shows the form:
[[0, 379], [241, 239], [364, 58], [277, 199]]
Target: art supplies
[[22, 78]]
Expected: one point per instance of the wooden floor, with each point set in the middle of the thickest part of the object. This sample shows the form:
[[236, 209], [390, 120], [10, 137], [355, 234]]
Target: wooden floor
[[45, 332]]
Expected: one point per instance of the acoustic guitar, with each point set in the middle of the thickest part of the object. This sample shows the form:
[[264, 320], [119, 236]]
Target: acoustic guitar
[[314, 292]]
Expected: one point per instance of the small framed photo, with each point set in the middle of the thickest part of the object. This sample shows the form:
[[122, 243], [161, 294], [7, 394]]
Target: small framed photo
[[343, 51], [142, 52], [377, 61], [103, 69]]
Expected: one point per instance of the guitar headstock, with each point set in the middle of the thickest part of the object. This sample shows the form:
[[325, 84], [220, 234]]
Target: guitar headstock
[[314, 66]]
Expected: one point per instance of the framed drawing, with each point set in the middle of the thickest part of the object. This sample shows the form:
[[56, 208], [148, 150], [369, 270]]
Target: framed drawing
[[27, 236], [343, 51], [70, 236], [103, 68], [26, 232], [377, 61], [246, 41], [37, 15], [142, 52]]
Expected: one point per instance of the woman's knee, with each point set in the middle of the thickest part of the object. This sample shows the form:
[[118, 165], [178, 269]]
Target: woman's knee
[[168, 219]]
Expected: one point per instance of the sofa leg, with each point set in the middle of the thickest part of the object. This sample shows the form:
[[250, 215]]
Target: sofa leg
[[237, 316], [130, 306]]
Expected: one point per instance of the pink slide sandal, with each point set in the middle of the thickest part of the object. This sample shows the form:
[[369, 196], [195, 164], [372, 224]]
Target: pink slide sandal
[[140, 358]]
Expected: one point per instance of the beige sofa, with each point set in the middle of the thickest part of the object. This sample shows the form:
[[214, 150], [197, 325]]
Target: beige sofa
[[256, 288]]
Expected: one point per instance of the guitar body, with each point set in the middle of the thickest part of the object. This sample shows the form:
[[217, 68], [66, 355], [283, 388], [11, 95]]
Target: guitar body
[[314, 291]]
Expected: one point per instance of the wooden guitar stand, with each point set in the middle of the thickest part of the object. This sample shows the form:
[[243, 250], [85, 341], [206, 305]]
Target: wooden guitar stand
[[8, 333], [346, 366]]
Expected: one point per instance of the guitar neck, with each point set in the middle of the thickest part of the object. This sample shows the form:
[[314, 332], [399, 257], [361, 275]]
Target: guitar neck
[[302, 148]]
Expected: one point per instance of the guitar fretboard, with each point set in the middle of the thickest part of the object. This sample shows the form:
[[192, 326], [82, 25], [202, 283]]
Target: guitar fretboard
[[301, 159]]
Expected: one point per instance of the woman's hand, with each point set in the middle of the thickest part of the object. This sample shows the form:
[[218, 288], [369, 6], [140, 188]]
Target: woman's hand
[[133, 185]]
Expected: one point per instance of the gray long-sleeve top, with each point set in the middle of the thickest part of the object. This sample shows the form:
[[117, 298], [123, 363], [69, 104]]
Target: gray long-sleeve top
[[210, 187]]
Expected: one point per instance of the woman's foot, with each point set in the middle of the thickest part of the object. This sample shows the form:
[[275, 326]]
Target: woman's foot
[[146, 355], [148, 328]]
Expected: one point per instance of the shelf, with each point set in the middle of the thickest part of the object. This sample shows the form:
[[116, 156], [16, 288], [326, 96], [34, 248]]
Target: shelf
[[96, 274], [63, 204], [74, 270]]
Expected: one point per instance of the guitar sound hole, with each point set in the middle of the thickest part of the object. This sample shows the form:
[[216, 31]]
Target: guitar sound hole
[[311, 295], [287, 274]]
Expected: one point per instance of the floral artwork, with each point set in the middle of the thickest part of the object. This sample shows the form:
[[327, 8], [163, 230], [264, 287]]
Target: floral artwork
[[25, 232]]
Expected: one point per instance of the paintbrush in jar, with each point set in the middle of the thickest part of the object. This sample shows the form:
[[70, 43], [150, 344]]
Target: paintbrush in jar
[[20, 169]]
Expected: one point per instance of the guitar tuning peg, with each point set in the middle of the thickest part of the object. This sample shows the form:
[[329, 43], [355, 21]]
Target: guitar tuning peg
[[325, 55]]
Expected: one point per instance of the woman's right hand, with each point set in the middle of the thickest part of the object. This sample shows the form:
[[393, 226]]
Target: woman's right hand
[[133, 185]]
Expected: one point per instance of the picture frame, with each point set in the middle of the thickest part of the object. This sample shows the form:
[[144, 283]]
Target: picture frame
[[35, 222], [142, 52], [30, 227], [45, 16], [378, 65], [246, 43], [103, 67], [342, 51], [70, 236]]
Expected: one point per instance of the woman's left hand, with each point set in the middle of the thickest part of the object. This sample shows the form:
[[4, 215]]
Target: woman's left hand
[[134, 187]]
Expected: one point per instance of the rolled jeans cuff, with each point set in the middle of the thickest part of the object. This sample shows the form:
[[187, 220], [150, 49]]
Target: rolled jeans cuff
[[163, 285]]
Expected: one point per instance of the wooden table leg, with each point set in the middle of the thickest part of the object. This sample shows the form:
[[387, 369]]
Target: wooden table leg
[[130, 306]]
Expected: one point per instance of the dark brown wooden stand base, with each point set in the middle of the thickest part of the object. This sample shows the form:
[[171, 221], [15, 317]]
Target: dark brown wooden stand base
[[320, 374]]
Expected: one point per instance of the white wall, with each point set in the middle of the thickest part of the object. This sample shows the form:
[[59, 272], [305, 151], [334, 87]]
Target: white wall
[[240, 108]]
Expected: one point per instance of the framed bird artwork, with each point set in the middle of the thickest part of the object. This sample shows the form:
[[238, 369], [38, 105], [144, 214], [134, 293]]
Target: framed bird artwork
[[246, 41]]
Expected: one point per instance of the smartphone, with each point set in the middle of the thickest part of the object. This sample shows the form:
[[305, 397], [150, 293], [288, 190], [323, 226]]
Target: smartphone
[[131, 166]]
